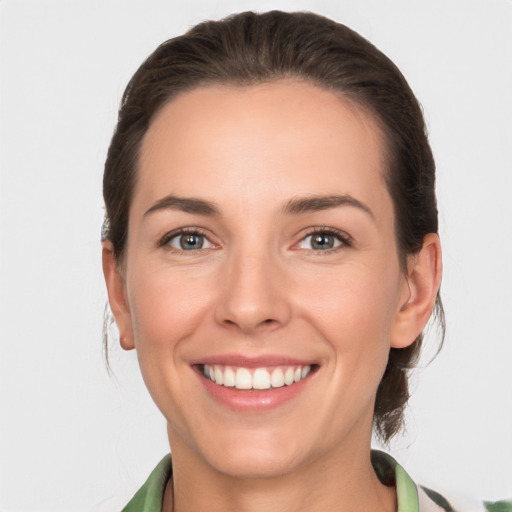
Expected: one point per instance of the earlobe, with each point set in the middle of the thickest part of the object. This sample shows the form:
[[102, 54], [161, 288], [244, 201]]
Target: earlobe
[[423, 281], [117, 295]]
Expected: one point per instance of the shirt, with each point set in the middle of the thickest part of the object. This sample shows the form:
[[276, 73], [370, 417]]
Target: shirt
[[410, 498]]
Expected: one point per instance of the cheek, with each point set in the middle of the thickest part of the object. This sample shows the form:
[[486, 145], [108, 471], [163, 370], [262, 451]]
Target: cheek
[[166, 306], [356, 297], [354, 310]]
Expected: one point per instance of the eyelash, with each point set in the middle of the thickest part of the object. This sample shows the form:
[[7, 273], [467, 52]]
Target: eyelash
[[342, 237], [164, 241]]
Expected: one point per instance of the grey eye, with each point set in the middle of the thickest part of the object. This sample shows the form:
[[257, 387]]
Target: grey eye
[[321, 241], [189, 242]]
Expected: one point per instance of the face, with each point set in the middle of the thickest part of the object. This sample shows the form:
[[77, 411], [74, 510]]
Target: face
[[261, 275]]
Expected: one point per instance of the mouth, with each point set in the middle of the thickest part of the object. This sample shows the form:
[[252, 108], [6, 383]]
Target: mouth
[[263, 378], [254, 385]]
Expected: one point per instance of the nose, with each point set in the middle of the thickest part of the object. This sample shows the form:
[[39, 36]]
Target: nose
[[253, 294]]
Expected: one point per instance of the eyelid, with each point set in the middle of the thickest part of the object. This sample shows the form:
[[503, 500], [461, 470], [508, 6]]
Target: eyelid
[[163, 242], [342, 236]]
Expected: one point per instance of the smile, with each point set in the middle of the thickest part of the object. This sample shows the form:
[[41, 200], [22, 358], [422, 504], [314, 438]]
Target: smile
[[255, 378]]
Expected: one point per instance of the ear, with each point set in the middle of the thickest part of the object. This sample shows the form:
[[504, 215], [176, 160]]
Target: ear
[[421, 287], [117, 295]]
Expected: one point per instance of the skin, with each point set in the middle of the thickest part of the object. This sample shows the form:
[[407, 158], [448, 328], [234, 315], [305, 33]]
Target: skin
[[259, 287]]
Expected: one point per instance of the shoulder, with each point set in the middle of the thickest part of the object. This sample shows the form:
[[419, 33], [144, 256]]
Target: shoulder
[[464, 503], [150, 496], [415, 498], [410, 497]]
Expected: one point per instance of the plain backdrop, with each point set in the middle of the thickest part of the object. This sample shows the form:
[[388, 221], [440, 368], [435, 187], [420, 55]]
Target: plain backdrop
[[74, 438]]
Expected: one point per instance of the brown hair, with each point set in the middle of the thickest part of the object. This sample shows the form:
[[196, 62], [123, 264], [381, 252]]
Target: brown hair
[[249, 48]]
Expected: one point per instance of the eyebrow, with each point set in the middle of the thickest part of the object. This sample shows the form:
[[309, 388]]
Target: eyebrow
[[184, 204], [294, 206], [318, 203]]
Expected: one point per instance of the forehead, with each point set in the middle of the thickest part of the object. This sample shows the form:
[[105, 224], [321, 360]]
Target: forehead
[[288, 136]]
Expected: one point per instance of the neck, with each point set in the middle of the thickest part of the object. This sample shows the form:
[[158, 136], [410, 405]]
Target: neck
[[337, 482]]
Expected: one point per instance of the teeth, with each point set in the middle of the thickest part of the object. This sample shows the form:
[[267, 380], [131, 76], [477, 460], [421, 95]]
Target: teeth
[[229, 378], [277, 378], [259, 378], [218, 375], [288, 376], [243, 379]]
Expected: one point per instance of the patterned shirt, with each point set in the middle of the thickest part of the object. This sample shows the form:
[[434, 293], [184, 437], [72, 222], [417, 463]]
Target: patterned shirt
[[410, 498]]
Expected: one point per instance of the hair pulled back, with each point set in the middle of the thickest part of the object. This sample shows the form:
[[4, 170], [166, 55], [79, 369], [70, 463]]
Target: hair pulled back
[[249, 48]]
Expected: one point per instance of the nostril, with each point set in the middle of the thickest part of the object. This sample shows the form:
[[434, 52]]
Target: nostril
[[269, 323]]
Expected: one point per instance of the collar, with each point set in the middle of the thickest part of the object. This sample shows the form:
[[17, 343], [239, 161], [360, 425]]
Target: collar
[[150, 496]]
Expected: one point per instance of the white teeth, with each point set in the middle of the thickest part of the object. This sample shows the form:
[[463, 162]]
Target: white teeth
[[259, 378], [288, 376], [229, 378], [243, 379], [277, 378], [218, 375]]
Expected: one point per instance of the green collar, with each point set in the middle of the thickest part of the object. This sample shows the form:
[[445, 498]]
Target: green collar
[[391, 473], [150, 496]]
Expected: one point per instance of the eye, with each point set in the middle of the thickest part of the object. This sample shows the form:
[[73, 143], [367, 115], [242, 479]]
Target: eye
[[186, 241], [324, 240]]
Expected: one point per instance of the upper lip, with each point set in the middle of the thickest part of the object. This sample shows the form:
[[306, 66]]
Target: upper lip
[[243, 361]]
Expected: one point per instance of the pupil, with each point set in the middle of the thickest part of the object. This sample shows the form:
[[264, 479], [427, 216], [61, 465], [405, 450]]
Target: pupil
[[189, 242], [323, 242]]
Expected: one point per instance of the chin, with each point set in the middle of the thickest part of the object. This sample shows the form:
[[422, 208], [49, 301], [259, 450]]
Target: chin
[[256, 464], [256, 454]]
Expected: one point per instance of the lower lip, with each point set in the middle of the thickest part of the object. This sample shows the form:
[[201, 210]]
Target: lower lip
[[253, 400]]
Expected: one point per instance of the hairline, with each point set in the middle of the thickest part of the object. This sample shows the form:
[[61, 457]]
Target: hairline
[[352, 101]]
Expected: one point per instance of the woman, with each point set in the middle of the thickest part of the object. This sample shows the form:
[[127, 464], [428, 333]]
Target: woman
[[271, 252]]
